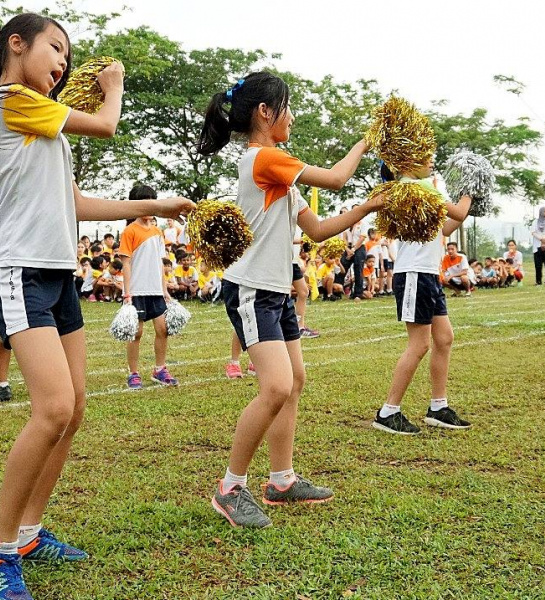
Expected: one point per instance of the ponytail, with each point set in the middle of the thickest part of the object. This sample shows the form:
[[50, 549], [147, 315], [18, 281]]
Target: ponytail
[[233, 110]]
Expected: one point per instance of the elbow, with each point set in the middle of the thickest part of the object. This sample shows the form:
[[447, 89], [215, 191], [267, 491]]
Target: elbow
[[107, 131], [337, 183]]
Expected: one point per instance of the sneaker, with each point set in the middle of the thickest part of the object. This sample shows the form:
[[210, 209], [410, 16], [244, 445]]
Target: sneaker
[[301, 490], [309, 333], [468, 293], [92, 298], [446, 418], [12, 584], [47, 548], [5, 394], [134, 381], [251, 368], [239, 507], [163, 377], [333, 298], [396, 423], [233, 371]]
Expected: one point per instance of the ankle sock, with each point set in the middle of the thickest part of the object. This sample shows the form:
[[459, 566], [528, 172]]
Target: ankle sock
[[28, 533], [230, 480], [282, 479], [438, 403], [388, 410], [9, 547]]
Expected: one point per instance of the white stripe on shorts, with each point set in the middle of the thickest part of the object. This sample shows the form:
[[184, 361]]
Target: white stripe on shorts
[[246, 310], [409, 297], [13, 301]]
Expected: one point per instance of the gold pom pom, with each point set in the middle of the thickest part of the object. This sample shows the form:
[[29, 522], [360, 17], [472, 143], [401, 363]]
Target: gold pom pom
[[219, 232], [401, 136], [82, 91], [412, 212], [313, 246], [333, 248]]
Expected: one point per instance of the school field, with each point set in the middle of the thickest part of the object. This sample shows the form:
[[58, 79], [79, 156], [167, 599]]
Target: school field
[[456, 515]]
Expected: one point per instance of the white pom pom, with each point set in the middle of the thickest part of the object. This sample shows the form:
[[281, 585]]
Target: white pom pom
[[470, 174], [124, 327], [176, 317]]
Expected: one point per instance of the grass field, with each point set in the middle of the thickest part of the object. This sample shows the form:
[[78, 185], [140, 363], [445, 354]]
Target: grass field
[[441, 515]]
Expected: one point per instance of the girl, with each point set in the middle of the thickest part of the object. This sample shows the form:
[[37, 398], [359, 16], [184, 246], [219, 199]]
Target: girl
[[516, 256], [40, 317], [421, 304], [257, 287]]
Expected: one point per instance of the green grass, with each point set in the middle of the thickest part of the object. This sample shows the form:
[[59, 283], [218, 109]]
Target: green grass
[[440, 516]]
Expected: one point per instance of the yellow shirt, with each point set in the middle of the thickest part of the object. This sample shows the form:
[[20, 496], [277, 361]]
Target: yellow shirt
[[204, 279]]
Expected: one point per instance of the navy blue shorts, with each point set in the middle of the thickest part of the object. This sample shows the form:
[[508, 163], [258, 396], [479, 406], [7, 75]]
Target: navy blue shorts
[[419, 297], [31, 298], [297, 273], [149, 307], [260, 315]]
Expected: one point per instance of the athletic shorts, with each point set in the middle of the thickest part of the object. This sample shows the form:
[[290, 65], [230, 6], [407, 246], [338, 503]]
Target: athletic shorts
[[419, 297], [31, 298], [260, 315], [297, 273], [149, 307]]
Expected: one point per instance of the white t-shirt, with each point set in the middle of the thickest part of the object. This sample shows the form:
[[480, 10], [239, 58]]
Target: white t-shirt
[[536, 243], [271, 206], [37, 208], [417, 257], [517, 259], [354, 233]]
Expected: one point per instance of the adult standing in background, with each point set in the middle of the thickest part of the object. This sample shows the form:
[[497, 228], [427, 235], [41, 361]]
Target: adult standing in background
[[355, 254], [538, 234]]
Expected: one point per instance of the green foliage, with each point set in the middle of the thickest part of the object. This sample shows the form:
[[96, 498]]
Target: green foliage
[[480, 243]]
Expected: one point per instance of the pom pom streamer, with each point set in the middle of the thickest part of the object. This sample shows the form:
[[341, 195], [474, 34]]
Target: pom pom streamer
[[333, 248], [401, 136], [124, 327], [469, 174], [412, 212], [219, 232], [82, 91], [176, 317]]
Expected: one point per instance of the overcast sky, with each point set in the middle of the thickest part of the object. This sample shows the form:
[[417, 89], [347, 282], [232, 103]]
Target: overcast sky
[[427, 51]]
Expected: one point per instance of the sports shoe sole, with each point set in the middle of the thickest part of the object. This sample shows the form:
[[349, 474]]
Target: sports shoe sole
[[388, 430], [163, 383], [223, 513], [284, 502], [435, 423]]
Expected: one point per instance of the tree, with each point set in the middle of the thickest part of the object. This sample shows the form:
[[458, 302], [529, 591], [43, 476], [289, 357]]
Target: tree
[[480, 243]]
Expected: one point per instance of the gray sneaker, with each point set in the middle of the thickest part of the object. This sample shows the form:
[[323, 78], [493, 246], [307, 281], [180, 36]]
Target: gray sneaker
[[239, 508], [5, 394], [301, 490]]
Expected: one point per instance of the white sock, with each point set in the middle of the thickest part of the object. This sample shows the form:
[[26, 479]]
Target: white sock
[[230, 480], [9, 547], [282, 479], [235, 362], [159, 368], [28, 533], [389, 409], [438, 403], [4, 384]]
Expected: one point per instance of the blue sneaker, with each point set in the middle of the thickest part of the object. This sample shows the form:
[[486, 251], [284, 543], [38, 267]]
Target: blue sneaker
[[134, 381], [12, 584], [47, 548], [163, 377]]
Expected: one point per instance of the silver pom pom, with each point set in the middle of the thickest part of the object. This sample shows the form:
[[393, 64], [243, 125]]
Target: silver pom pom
[[124, 327], [470, 174], [176, 317]]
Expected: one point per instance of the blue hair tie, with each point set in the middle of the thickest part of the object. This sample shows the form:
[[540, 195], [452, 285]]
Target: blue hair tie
[[236, 87]]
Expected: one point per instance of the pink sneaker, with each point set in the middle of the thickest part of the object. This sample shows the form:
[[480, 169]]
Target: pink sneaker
[[233, 371], [92, 298], [251, 369]]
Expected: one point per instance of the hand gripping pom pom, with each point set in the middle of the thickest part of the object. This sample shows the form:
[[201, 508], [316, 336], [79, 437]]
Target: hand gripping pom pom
[[412, 212], [469, 174], [124, 327], [219, 232], [401, 136], [333, 248], [176, 317], [82, 91]]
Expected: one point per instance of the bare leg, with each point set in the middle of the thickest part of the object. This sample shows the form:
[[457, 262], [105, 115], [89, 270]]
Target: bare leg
[[74, 348], [419, 343], [133, 349], [281, 433], [274, 373], [442, 336], [236, 348], [161, 341], [5, 356], [46, 371], [301, 303]]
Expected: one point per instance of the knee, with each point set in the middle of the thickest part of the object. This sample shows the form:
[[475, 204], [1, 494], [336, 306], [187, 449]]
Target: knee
[[298, 383], [420, 350], [77, 414], [277, 394], [444, 341], [56, 417]]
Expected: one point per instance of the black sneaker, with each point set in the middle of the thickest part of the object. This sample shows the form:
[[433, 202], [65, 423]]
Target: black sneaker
[[445, 417], [5, 394], [396, 423]]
